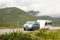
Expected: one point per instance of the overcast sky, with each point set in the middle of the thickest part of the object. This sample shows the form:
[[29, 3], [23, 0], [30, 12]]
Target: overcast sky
[[46, 7]]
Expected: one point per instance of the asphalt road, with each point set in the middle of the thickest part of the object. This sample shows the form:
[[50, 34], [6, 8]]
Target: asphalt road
[[54, 28], [3, 31]]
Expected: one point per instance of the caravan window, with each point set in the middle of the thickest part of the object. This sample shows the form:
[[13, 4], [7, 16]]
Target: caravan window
[[48, 23]]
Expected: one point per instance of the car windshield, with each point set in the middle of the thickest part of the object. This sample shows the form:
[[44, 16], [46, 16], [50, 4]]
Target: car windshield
[[30, 22]]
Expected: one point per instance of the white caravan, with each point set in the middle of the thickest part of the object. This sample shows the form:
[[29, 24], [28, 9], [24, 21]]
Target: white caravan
[[45, 23]]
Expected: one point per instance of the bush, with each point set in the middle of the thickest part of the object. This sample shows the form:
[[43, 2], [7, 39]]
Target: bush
[[16, 36], [39, 35], [43, 33]]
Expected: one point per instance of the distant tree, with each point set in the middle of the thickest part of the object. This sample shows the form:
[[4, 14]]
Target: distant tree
[[32, 12]]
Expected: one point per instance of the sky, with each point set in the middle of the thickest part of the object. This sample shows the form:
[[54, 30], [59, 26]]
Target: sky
[[46, 7]]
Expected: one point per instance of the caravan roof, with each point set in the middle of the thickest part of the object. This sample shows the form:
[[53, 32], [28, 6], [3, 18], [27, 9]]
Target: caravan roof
[[45, 20]]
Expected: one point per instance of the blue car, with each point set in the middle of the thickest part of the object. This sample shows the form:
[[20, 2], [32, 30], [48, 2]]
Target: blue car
[[31, 25]]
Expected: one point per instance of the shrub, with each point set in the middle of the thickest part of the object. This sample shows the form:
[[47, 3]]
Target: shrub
[[16, 36], [43, 33]]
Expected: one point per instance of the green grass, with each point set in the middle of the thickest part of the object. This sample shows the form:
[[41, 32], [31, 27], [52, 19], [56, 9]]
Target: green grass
[[33, 35], [15, 36], [46, 35]]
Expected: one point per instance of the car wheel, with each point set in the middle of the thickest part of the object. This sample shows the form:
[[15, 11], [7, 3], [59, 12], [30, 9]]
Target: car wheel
[[24, 29]]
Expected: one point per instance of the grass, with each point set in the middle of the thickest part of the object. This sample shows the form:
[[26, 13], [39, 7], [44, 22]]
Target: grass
[[15, 36], [33, 35]]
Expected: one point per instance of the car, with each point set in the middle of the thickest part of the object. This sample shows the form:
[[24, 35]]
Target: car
[[31, 25]]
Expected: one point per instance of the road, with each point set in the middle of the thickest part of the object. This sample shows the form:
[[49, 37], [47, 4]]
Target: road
[[3, 31], [54, 28]]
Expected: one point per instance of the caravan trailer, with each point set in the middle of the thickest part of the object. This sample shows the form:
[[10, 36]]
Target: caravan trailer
[[45, 24]]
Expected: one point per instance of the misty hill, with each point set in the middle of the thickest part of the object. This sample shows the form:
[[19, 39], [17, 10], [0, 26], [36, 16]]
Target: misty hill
[[57, 21], [46, 18], [32, 12], [14, 17]]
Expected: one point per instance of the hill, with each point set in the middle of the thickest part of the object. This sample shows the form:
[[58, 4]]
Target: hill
[[14, 17], [45, 17]]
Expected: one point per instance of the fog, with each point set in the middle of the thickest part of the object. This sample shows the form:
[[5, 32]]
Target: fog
[[46, 7]]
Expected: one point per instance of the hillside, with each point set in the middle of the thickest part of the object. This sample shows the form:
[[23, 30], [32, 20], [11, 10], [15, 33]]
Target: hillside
[[46, 17], [57, 22], [14, 17]]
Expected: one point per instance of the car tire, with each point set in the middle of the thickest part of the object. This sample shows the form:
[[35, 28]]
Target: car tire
[[24, 29]]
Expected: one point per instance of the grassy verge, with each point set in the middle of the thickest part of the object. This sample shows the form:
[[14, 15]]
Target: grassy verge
[[33, 35]]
